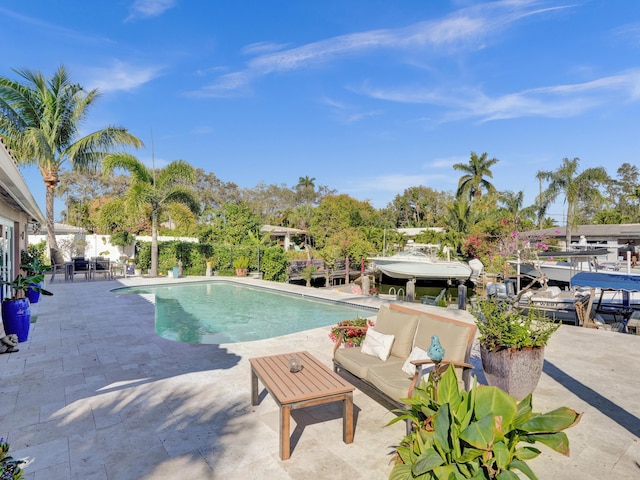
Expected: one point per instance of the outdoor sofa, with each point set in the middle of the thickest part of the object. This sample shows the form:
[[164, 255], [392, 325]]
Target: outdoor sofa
[[412, 329]]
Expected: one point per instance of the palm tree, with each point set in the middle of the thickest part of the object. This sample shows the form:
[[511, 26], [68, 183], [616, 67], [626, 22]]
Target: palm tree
[[306, 189], [474, 179], [40, 120], [154, 190], [575, 186], [512, 205]]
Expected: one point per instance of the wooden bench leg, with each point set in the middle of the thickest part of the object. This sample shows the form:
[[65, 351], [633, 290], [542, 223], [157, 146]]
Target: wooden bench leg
[[285, 427], [254, 388], [347, 418]]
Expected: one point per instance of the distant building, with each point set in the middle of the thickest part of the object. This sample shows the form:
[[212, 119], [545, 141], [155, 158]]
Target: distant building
[[618, 238], [19, 216]]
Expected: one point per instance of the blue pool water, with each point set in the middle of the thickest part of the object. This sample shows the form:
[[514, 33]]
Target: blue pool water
[[223, 312]]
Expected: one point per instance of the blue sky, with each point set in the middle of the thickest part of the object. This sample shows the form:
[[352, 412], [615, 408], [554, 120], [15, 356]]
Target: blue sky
[[369, 97]]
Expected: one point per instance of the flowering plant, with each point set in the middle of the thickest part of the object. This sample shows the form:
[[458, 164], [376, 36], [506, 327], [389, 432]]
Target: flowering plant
[[9, 467], [351, 336], [502, 325]]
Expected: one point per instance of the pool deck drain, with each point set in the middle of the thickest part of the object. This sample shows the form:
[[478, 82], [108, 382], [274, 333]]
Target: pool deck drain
[[95, 394]]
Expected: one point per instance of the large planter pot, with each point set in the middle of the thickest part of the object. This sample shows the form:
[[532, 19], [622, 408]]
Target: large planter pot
[[16, 318], [33, 295], [241, 272], [516, 371]]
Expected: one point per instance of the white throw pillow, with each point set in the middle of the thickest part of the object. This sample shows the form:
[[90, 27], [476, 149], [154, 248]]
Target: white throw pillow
[[377, 344], [416, 354]]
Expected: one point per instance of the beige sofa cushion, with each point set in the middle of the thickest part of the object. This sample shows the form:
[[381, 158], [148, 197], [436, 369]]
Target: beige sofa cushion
[[356, 362], [390, 379], [455, 337], [401, 325]]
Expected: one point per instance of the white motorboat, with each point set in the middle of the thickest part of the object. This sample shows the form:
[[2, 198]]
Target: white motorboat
[[414, 264], [573, 262], [616, 297]]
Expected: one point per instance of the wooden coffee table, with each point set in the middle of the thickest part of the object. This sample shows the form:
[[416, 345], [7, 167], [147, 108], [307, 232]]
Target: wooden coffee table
[[315, 384]]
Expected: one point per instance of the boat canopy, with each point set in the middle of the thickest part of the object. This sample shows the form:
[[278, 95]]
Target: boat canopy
[[606, 281], [586, 253]]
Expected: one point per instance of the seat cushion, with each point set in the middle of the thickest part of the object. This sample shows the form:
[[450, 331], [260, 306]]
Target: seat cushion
[[399, 324], [390, 379], [356, 362]]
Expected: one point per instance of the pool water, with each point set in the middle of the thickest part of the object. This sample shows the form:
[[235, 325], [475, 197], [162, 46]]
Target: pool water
[[222, 312]]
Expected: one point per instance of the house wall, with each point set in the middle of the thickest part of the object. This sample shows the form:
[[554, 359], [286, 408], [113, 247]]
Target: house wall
[[18, 209]]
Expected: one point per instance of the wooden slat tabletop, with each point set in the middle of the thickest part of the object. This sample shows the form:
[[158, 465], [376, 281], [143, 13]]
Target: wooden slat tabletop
[[315, 380]]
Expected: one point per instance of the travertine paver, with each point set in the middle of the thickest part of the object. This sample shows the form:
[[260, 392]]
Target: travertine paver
[[95, 394]]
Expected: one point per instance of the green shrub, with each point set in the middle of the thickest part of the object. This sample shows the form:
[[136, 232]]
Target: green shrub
[[273, 264], [480, 434]]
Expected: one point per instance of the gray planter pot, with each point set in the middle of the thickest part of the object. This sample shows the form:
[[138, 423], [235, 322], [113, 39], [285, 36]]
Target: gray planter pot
[[517, 372]]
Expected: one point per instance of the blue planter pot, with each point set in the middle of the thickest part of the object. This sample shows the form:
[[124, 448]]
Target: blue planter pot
[[33, 295], [16, 318]]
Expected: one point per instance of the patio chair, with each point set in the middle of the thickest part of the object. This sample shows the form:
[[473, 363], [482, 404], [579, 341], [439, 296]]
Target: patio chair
[[434, 300], [81, 266], [102, 266], [58, 264]]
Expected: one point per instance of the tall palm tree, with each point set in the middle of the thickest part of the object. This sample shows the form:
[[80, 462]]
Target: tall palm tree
[[512, 204], [575, 186], [306, 189], [474, 179], [153, 191], [40, 121]]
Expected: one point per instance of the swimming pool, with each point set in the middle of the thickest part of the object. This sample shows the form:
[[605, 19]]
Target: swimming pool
[[225, 312]]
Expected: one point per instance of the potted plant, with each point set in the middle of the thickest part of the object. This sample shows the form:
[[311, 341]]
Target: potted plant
[[350, 333], [241, 264], [9, 466], [16, 310], [33, 268], [481, 434], [512, 344]]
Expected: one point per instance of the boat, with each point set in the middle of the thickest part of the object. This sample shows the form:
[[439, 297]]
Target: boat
[[410, 264], [574, 262], [615, 298]]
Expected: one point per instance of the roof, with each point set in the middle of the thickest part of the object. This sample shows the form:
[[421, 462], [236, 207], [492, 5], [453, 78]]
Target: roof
[[13, 188], [276, 230], [62, 229], [629, 231]]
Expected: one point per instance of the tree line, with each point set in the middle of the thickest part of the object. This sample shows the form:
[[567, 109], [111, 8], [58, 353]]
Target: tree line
[[106, 189]]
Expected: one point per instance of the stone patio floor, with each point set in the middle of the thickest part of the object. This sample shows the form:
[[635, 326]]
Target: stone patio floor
[[95, 394]]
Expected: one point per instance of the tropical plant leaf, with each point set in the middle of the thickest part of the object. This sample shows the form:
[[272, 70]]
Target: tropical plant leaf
[[523, 467], [524, 410], [554, 421], [507, 475], [401, 472], [448, 389], [502, 456], [469, 454], [492, 400], [480, 434], [557, 441], [427, 462], [526, 453], [442, 423]]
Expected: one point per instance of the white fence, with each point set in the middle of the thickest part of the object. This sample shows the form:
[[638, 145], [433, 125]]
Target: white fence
[[96, 245]]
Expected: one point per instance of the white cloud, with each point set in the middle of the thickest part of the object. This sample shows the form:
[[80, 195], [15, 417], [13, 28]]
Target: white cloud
[[465, 29], [149, 8], [260, 48], [559, 101], [121, 76]]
